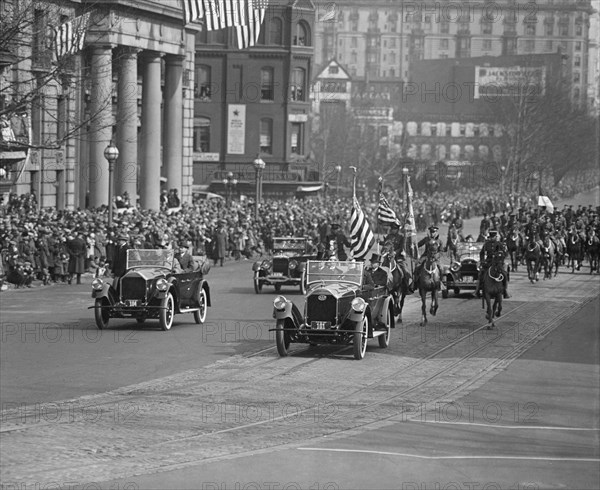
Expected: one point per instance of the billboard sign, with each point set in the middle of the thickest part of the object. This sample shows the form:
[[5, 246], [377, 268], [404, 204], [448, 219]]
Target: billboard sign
[[495, 81]]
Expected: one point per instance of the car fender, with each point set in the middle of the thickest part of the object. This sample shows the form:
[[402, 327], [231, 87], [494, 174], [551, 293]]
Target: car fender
[[290, 311], [107, 291], [384, 311], [171, 289], [356, 317], [256, 266]]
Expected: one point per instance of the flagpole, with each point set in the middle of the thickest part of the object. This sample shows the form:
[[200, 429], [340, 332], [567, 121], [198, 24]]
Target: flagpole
[[379, 191]]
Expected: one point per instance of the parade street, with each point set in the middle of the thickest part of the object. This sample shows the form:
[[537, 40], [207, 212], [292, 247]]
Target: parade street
[[449, 405]]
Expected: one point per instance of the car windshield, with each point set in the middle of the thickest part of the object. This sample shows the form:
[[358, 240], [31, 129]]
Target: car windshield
[[332, 271], [150, 258], [469, 249], [289, 244]]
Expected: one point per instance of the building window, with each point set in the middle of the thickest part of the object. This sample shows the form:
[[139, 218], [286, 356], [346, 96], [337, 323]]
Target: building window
[[487, 44], [455, 152], [578, 46], [444, 27], [484, 152], [298, 83], [549, 30], [266, 136], [576, 77], [530, 29], [443, 43], [353, 42], [201, 134], [549, 46], [392, 57], [576, 93], [297, 141], [302, 34], [529, 45], [578, 29], [486, 27], [266, 84], [563, 29], [577, 61], [202, 85], [354, 25], [275, 30]]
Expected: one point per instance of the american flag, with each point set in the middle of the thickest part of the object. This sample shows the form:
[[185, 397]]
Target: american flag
[[361, 236], [385, 213], [410, 226], [69, 36], [217, 14], [247, 34]]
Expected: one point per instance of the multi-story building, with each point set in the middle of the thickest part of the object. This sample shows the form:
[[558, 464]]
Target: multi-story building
[[382, 39], [131, 83], [255, 103]]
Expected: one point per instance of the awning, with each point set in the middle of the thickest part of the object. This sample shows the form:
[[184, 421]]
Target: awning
[[13, 155], [309, 188]]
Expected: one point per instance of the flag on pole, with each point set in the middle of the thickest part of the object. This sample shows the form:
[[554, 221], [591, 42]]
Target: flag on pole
[[545, 201], [248, 33], [70, 36], [192, 10], [361, 236], [410, 226], [385, 213], [217, 14]]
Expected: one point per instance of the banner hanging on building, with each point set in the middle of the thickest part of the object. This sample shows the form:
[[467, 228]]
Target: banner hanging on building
[[236, 129], [495, 81]]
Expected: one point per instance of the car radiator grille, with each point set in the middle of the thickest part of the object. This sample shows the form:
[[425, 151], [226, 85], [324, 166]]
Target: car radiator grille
[[133, 288], [280, 265], [323, 311], [469, 269]]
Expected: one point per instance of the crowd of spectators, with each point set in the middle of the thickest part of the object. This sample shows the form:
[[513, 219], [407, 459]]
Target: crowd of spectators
[[59, 246]]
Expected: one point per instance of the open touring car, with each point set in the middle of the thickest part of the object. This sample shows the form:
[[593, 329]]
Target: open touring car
[[339, 309], [462, 274]]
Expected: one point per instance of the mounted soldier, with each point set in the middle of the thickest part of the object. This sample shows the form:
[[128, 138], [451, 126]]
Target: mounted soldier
[[491, 247], [457, 222], [433, 247], [395, 242], [484, 227]]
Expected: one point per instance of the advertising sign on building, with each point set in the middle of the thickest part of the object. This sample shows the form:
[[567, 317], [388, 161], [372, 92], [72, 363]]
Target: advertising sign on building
[[495, 81], [236, 129]]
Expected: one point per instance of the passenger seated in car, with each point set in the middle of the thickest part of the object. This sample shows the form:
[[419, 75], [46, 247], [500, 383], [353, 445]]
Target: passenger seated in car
[[185, 261], [379, 275]]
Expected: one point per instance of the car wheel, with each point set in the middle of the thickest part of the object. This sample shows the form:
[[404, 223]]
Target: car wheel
[[282, 339], [101, 315], [200, 315], [167, 312], [444, 293], [303, 283], [277, 287], [360, 338], [456, 291], [384, 340], [257, 283]]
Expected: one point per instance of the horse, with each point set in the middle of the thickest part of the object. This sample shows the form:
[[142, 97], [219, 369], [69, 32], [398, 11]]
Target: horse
[[493, 288], [428, 280], [399, 284], [548, 257], [592, 248], [533, 257], [452, 243], [575, 250], [514, 246]]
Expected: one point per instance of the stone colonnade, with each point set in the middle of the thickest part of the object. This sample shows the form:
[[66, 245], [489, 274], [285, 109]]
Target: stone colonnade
[[125, 173]]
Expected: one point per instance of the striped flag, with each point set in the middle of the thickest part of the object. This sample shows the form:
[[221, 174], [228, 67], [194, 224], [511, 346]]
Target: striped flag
[[410, 226], [217, 14], [248, 33], [192, 10], [361, 236], [385, 213], [70, 36]]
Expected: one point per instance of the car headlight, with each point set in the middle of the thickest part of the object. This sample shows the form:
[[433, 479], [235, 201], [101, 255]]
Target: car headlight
[[265, 264], [455, 267], [97, 284], [280, 302], [358, 305], [293, 264], [162, 284]]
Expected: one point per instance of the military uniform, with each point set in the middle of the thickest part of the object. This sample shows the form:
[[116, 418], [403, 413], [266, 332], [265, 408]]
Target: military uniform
[[490, 248], [433, 247]]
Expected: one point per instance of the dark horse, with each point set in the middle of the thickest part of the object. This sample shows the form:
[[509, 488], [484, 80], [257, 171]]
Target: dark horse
[[428, 280], [549, 258], [575, 250], [592, 250], [452, 243], [399, 287], [533, 258], [493, 288], [514, 245]]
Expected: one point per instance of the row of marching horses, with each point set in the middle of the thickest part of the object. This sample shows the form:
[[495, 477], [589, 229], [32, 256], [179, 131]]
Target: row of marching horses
[[547, 253]]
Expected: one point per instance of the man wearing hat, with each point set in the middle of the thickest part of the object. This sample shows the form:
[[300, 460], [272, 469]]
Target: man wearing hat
[[379, 276], [340, 241], [492, 246], [118, 261], [484, 225], [433, 246]]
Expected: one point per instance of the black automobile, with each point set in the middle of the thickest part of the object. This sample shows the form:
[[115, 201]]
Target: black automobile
[[339, 309], [462, 274], [153, 287], [287, 266]]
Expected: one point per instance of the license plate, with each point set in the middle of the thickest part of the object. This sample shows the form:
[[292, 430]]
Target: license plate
[[320, 325], [132, 302], [277, 274]]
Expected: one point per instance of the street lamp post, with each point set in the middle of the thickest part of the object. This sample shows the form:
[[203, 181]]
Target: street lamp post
[[259, 166], [338, 169], [111, 153], [229, 184]]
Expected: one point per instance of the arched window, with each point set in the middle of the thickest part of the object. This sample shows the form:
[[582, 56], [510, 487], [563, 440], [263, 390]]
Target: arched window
[[301, 34], [455, 152], [275, 31], [298, 84], [425, 151], [266, 84], [266, 136], [202, 134], [440, 151], [411, 128], [203, 82], [484, 153]]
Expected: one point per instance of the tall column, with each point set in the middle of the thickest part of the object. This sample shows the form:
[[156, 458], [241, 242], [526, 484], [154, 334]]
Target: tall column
[[101, 122], [151, 133], [127, 90], [173, 141]]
